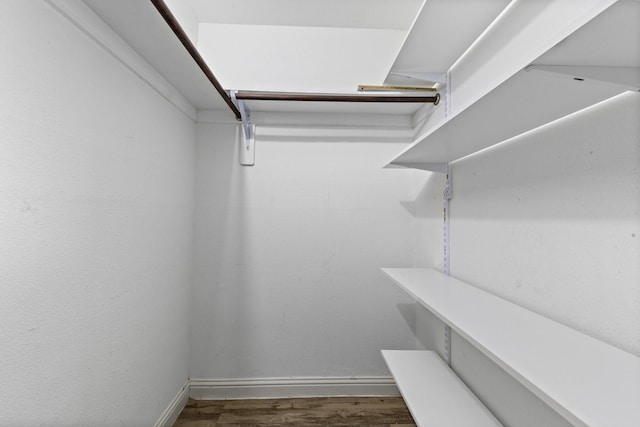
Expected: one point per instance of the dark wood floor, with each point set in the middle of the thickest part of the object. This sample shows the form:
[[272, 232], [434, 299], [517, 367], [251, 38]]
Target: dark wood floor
[[325, 411]]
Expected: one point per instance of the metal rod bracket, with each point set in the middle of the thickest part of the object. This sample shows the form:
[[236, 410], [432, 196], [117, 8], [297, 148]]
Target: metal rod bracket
[[247, 147]]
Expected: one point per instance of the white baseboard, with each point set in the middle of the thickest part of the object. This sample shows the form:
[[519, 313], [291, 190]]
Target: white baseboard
[[177, 404], [265, 388]]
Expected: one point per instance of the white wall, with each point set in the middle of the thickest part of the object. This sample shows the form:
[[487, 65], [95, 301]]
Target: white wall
[[96, 202], [550, 221], [288, 256]]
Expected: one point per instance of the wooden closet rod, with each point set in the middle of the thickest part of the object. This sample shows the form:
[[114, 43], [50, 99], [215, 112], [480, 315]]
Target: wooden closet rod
[[186, 42], [290, 96]]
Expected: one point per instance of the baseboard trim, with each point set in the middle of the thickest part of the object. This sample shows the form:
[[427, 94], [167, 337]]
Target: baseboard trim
[[265, 388], [177, 404]]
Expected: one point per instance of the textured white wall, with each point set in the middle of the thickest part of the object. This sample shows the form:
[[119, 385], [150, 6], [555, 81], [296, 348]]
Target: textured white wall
[[551, 221], [287, 280], [96, 202]]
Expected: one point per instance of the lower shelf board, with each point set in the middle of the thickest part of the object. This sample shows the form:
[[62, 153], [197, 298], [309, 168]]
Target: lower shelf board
[[587, 381], [434, 394]]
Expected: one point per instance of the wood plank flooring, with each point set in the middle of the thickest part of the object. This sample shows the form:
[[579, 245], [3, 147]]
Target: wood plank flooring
[[325, 411]]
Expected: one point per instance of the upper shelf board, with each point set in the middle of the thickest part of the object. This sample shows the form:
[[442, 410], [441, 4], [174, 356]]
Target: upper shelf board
[[441, 33], [526, 101], [140, 25], [596, 61], [589, 382]]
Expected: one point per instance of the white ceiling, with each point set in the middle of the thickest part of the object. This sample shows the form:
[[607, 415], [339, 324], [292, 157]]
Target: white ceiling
[[381, 14], [322, 46], [298, 59]]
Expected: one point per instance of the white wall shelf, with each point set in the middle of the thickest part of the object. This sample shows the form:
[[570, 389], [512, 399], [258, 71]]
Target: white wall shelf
[[526, 101], [144, 29], [589, 382], [426, 36], [514, 81], [434, 394]]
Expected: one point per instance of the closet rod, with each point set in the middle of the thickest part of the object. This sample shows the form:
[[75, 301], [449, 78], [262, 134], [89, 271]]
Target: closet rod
[[291, 96], [163, 9]]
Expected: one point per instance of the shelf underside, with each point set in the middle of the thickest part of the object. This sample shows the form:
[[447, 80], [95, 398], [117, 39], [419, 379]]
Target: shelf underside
[[527, 101]]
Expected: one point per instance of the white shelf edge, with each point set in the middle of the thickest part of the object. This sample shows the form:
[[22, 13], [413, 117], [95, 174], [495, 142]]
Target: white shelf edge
[[406, 37], [431, 167], [587, 381]]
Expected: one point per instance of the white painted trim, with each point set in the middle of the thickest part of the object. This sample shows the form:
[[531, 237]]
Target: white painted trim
[[265, 388], [175, 407], [318, 127], [83, 18], [401, 126], [331, 119], [333, 134], [216, 117]]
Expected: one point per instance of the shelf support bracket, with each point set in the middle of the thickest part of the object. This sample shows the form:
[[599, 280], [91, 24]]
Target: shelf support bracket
[[448, 188], [247, 145]]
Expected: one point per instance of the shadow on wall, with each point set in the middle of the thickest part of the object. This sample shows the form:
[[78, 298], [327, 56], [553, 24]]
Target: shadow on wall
[[221, 254], [428, 201], [584, 166], [408, 312], [427, 209], [551, 220]]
